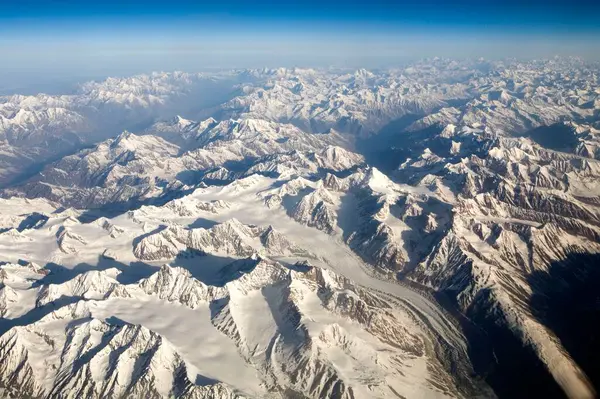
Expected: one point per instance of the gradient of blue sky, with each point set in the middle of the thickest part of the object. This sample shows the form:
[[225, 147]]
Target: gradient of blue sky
[[66, 37], [531, 14]]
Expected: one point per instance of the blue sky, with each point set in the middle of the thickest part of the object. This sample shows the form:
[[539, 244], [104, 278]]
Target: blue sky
[[534, 14], [62, 38]]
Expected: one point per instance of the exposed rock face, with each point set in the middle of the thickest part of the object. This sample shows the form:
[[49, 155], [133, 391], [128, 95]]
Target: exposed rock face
[[316, 210]]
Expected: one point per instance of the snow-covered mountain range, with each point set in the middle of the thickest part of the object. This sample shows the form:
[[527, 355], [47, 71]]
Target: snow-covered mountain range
[[302, 233]]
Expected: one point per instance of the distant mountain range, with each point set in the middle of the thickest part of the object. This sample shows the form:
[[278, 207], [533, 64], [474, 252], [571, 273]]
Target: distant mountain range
[[300, 233]]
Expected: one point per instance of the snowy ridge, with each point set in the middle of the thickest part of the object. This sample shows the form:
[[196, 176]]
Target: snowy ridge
[[509, 206], [175, 284], [96, 358], [229, 238], [133, 167]]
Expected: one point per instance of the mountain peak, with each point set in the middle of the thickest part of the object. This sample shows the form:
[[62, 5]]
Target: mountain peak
[[178, 122]]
